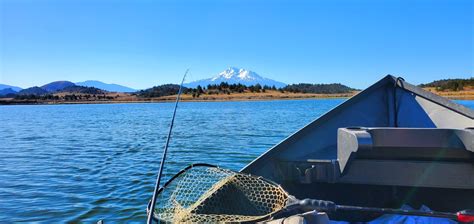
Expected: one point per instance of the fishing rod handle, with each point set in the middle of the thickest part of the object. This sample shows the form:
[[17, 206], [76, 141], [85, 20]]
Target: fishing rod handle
[[318, 205], [465, 216]]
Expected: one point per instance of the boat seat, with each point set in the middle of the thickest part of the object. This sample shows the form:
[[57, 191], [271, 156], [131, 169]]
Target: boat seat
[[417, 157], [434, 144]]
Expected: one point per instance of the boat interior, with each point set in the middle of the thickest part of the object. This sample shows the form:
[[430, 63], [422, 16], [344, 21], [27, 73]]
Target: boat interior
[[392, 144]]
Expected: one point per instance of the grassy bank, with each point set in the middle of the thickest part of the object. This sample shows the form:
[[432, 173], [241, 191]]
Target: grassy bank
[[467, 94]]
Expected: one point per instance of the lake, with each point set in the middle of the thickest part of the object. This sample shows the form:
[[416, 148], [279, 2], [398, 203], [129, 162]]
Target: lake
[[85, 162]]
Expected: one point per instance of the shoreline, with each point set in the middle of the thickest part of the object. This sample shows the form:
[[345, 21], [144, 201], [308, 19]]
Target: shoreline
[[207, 98], [161, 100]]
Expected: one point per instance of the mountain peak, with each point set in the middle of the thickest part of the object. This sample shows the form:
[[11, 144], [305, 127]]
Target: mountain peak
[[14, 88], [57, 85], [237, 73], [234, 75], [228, 73]]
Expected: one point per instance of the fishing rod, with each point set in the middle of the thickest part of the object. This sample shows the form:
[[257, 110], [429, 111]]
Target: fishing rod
[[329, 206], [165, 151]]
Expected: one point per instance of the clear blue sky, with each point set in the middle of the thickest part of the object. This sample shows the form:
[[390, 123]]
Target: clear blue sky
[[141, 43]]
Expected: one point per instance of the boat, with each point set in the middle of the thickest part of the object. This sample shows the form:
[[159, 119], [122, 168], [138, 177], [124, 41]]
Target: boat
[[392, 144]]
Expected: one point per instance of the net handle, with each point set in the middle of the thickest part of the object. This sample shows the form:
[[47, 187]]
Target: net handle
[[148, 207]]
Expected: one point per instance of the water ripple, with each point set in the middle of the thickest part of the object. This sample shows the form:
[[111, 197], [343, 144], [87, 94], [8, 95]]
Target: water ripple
[[82, 163]]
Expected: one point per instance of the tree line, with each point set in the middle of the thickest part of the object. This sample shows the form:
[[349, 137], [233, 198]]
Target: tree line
[[332, 88], [226, 88], [450, 84], [67, 97]]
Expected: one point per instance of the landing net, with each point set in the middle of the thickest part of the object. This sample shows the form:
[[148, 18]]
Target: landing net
[[206, 194]]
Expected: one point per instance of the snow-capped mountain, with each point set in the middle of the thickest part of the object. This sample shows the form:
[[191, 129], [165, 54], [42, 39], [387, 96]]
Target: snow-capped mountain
[[234, 76]]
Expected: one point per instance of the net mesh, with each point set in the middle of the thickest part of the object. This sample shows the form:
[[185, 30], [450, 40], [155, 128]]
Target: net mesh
[[210, 194]]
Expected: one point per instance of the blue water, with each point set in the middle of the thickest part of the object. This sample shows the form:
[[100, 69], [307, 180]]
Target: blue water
[[75, 163]]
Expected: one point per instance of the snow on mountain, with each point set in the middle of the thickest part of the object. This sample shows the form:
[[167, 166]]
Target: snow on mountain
[[234, 76], [106, 86]]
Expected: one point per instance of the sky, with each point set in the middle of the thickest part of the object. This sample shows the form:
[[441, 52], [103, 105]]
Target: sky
[[142, 43]]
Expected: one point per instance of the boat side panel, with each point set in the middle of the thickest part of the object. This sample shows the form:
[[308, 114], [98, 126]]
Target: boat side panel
[[443, 117], [318, 139], [373, 107]]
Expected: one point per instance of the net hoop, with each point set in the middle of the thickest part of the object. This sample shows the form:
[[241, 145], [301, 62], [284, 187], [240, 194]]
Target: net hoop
[[276, 202], [155, 217]]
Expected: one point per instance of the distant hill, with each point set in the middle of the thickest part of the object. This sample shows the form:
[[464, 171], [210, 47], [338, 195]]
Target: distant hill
[[106, 86], [7, 91], [35, 90], [163, 90], [82, 89], [15, 88], [56, 86], [450, 84], [318, 88], [235, 76]]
